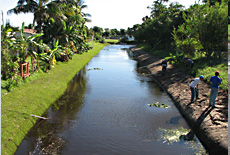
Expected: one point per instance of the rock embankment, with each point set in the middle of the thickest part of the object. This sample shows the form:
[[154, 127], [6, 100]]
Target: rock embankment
[[209, 124]]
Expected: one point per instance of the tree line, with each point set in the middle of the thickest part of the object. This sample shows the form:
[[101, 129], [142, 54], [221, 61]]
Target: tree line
[[199, 28]]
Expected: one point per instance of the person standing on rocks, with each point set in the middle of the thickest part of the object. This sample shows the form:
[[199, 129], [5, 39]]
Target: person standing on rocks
[[194, 87], [164, 66], [216, 81]]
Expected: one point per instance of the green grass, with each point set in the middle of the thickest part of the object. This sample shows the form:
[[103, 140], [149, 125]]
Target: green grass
[[113, 41], [35, 97], [208, 72]]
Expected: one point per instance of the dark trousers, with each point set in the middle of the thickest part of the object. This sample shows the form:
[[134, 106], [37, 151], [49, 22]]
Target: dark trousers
[[194, 93]]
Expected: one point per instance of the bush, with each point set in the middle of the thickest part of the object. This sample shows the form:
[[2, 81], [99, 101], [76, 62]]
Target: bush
[[9, 84], [102, 40]]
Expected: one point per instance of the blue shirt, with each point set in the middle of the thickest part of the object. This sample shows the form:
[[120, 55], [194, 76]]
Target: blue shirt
[[215, 80]]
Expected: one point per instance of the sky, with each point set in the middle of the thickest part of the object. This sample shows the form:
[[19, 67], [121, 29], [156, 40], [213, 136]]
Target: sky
[[104, 13]]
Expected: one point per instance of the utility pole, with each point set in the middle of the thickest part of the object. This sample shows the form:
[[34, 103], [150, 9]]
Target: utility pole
[[2, 19]]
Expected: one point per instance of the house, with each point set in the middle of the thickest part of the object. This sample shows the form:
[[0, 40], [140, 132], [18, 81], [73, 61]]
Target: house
[[27, 33]]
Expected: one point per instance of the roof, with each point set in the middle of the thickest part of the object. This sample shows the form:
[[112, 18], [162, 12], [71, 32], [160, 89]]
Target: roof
[[31, 31]]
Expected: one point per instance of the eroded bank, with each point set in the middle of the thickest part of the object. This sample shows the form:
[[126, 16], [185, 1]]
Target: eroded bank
[[209, 124]]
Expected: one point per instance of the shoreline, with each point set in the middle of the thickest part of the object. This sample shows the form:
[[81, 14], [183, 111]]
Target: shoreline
[[209, 124]]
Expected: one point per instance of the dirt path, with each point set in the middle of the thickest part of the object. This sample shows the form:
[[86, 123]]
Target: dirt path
[[209, 124]]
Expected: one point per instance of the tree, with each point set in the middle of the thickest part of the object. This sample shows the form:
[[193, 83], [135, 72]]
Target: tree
[[98, 31], [38, 8], [107, 32], [7, 63], [185, 42], [205, 27], [122, 32], [156, 30], [212, 2], [115, 32]]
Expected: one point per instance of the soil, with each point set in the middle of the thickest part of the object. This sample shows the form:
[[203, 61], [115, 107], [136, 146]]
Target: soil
[[209, 124]]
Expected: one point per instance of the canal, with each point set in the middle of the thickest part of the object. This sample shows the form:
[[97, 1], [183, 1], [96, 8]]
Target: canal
[[110, 108]]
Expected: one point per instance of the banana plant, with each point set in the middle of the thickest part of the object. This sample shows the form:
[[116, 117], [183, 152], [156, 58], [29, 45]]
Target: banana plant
[[50, 54], [6, 43], [26, 45]]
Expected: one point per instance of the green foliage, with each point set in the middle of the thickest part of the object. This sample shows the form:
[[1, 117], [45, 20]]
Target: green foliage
[[123, 39], [7, 67], [175, 58], [204, 28], [210, 71], [184, 42], [187, 31], [102, 40], [156, 29]]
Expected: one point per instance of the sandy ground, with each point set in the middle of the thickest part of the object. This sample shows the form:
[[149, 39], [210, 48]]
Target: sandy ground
[[209, 124]]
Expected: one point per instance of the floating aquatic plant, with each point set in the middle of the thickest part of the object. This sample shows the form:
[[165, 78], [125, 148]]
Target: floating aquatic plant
[[158, 105], [170, 136], [173, 135], [94, 69]]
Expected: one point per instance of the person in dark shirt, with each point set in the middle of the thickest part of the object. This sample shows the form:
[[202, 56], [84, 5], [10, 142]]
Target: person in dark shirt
[[164, 65]]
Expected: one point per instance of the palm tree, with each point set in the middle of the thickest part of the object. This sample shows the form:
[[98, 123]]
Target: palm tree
[[79, 6], [84, 15], [38, 8]]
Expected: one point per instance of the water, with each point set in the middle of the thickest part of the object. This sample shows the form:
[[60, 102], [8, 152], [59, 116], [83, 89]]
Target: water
[[106, 110]]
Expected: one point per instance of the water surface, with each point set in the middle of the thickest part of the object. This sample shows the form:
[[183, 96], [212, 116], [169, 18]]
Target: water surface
[[105, 110]]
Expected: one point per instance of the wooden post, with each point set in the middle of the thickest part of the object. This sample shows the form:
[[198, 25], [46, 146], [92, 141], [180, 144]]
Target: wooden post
[[26, 64], [21, 69], [27, 68]]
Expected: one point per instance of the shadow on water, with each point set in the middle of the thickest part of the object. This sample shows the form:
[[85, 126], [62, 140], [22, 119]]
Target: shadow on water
[[43, 137], [106, 110]]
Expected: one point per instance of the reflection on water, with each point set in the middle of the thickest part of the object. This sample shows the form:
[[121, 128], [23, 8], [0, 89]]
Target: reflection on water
[[105, 110]]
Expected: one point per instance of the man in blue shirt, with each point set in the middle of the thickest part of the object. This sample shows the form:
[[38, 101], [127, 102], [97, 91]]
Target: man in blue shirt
[[216, 81]]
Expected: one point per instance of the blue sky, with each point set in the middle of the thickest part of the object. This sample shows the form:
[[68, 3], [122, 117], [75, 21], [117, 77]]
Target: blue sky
[[105, 13]]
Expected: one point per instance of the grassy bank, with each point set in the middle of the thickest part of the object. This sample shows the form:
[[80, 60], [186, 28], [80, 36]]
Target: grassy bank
[[202, 66], [35, 97], [111, 41]]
